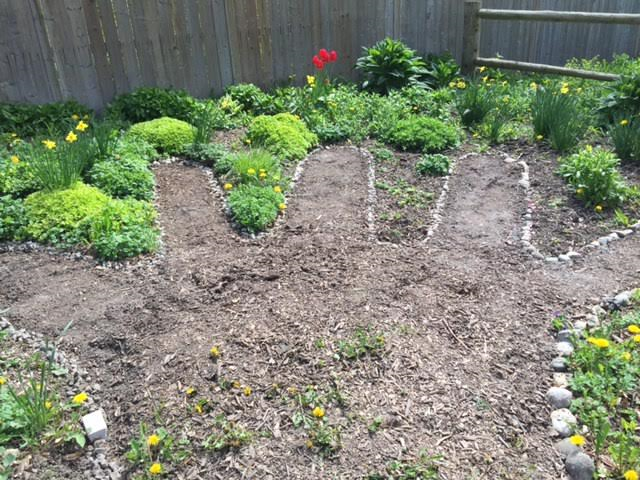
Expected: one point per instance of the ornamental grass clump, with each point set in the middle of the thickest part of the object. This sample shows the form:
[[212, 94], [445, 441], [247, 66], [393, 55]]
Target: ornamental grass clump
[[625, 136], [557, 117], [257, 167]]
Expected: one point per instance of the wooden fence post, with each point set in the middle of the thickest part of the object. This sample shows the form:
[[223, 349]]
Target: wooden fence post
[[471, 35]]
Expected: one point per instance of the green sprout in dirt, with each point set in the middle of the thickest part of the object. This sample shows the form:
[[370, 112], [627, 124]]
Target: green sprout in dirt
[[423, 468], [362, 343], [406, 194], [227, 435], [156, 453]]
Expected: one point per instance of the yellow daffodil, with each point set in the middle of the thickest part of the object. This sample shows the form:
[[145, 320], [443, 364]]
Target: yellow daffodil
[[251, 171], [248, 141], [564, 90], [155, 469], [485, 79], [247, 391], [318, 412], [482, 69], [81, 127], [153, 440], [461, 84], [199, 408], [631, 475], [309, 444], [452, 84], [262, 175], [589, 148], [577, 440], [13, 135], [49, 144], [636, 338], [533, 86], [624, 123], [75, 117], [71, 137], [215, 353], [282, 207], [80, 398], [277, 189], [579, 191], [3, 380], [15, 160], [599, 209], [626, 356], [228, 186], [598, 342], [191, 391], [635, 329], [539, 138], [48, 405], [311, 80]]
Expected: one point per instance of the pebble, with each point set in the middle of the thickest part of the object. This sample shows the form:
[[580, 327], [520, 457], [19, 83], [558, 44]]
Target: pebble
[[580, 466], [624, 233], [560, 380], [564, 258], [559, 364], [622, 299], [603, 241], [563, 422], [566, 448], [573, 254], [564, 335], [551, 259], [579, 325], [592, 320], [559, 397], [564, 348]]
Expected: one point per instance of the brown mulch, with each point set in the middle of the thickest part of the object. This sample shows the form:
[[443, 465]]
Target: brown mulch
[[465, 318]]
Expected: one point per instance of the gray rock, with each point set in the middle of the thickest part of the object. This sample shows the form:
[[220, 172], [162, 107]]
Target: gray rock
[[566, 448], [579, 325], [622, 299], [564, 335], [599, 311], [613, 237], [551, 260], [563, 422], [559, 364], [592, 320], [559, 397], [580, 466], [624, 233], [564, 348], [573, 254], [603, 241], [564, 258]]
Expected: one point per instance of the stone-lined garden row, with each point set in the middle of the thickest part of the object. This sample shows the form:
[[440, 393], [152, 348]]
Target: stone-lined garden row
[[578, 464]]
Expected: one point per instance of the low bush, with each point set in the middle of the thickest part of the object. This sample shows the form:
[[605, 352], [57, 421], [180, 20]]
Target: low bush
[[441, 70], [423, 134], [436, 165], [625, 136], [256, 167], [57, 217], [27, 120], [255, 207], [149, 103], [206, 153], [474, 101], [167, 135], [12, 218], [284, 135], [16, 176], [624, 99], [251, 98], [595, 178], [135, 147], [126, 177], [557, 117]]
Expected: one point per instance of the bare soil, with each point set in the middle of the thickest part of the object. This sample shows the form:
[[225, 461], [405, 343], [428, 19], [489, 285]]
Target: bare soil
[[466, 320]]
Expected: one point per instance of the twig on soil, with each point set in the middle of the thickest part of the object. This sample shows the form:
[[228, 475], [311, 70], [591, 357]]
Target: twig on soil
[[446, 324]]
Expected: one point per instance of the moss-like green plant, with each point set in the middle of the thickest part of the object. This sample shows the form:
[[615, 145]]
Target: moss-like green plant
[[255, 207], [127, 177], [12, 217], [168, 135], [423, 134], [284, 135]]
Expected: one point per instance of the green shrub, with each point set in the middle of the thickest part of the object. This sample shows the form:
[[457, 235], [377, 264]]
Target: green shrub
[[557, 116], [256, 166], [122, 229], [434, 103], [283, 135], [57, 217], [135, 147], [27, 120], [474, 101], [207, 117], [436, 165], [441, 70], [594, 176], [149, 103], [390, 64], [16, 176], [12, 218], [624, 99], [223, 165], [167, 135], [423, 134], [251, 98], [625, 136], [126, 177], [255, 207], [206, 153]]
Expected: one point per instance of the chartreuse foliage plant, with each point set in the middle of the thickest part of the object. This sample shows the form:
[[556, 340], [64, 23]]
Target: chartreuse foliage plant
[[594, 176], [284, 135], [255, 207], [167, 135], [423, 134], [605, 379]]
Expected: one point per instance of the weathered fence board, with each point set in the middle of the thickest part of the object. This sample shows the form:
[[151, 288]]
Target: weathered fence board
[[92, 50]]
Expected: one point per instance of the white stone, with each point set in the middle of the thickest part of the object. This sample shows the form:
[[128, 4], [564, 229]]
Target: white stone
[[560, 380], [95, 426], [624, 233], [564, 348], [559, 397], [564, 258], [573, 254], [563, 422], [551, 259]]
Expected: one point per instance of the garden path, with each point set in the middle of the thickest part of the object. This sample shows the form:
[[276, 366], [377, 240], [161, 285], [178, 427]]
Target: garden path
[[465, 316]]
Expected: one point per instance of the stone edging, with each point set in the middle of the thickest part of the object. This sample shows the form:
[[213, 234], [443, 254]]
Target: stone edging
[[578, 464]]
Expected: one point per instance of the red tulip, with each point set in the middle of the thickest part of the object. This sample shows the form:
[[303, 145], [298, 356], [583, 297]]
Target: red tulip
[[324, 55], [333, 56], [318, 63]]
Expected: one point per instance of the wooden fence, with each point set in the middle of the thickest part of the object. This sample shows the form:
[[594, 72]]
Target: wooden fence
[[91, 50]]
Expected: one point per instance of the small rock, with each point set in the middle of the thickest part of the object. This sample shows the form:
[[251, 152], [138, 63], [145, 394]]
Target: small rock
[[573, 254], [613, 237], [95, 426], [564, 258], [563, 422], [623, 233], [564, 335], [580, 325], [603, 241], [592, 320], [599, 311], [559, 397], [560, 380], [580, 466], [559, 364], [622, 299], [566, 448], [564, 348], [551, 259]]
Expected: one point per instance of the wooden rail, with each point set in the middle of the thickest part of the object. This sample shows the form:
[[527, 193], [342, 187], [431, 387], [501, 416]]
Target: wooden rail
[[473, 13]]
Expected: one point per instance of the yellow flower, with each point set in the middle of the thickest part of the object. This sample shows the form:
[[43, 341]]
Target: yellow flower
[[452, 84], [282, 207], [635, 329], [153, 440], [533, 86], [309, 444], [247, 391], [13, 135], [631, 475], [3, 380], [539, 138], [636, 338], [199, 409], [505, 83], [579, 191], [624, 123], [461, 84], [248, 141], [228, 186], [292, 390], [564, 90], [191, 391], [81, 127], [214, 353], [485, 79], [598, 342], [577, 440], [626, 356], [155, 469], [318, 412], [235, 384], [277, 189], [598, 209], [506, 99], [475, 135], [71, 137], [311, 80], [263, 175], [80, 398], [49, 144], [251, 171], [75, 117], [15, 160], [48, 405], [589, 148], [579, 90]]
